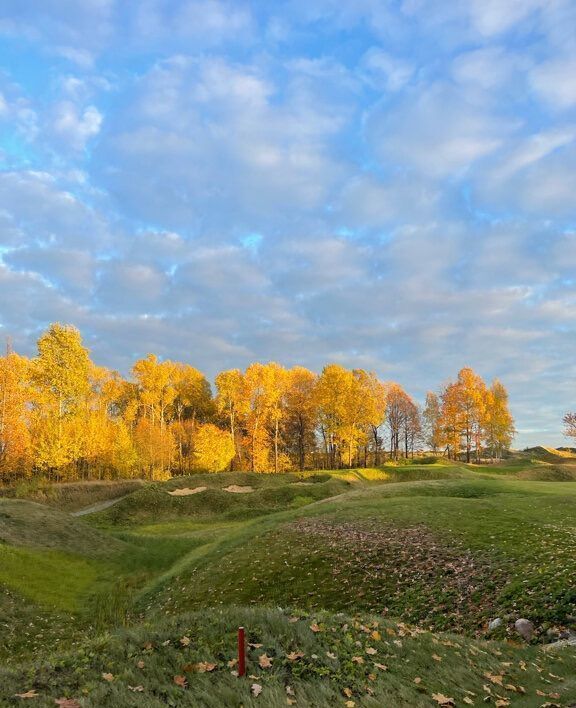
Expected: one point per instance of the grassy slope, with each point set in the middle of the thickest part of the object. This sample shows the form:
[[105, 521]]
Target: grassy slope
[[60, 577], [363, 659], [447, 554], [271, 493], [411, 547], [71, 496]]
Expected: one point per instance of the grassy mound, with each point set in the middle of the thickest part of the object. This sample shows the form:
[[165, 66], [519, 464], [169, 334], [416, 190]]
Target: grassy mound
[[71, 496], [549, 454], [451, 556], [294, 658], [271, 493], [550, 473], [24, 523]]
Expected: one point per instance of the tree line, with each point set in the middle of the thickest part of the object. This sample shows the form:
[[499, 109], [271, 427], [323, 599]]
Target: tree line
[[62, 417]]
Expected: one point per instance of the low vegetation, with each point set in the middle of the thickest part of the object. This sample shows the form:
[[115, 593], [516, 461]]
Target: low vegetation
[[295, 658], [138, 603]]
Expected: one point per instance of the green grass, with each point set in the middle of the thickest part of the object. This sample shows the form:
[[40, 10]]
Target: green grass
[[446, 554], [366, 659], [271, 493], [71, 496], [47, 577], [437, 544], [28, 524]]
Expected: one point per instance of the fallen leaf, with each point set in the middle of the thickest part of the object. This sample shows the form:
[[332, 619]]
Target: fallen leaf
[[350, 704], [67, 702], [294, 655], [371, 651], [442, 700], [29, 694], [290, 690], [330, 655], [256, 689], [376, 635], [108, 677], [185, 641], [140, 664], [467, 700], [292, 620], [265, 661], [437, 658], [314, 627], [180, 681], [358, 659], [253, 645], [502, 703], [347, 692], [203, 667], [496, 679], [136, 689], [417, 680], [382, 667], [165, 644]]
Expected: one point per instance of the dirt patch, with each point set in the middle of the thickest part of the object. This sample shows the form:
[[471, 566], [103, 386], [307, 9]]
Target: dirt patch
[[186, 491], [236, 489], [302, 484]]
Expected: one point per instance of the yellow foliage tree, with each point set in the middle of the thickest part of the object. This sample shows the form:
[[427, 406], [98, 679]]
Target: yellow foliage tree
[[60, 377], [213, 448], [15, 444], [300, 415], [498, 423], [231, 404]]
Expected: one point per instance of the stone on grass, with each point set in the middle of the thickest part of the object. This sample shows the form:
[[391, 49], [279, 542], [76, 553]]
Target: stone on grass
[[494, 624], [525, 628]]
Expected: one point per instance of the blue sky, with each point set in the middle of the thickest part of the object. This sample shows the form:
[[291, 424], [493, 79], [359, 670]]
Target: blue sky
[[388, 185]]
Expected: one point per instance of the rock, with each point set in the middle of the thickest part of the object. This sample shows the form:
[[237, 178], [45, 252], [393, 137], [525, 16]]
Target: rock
[[525, 628], [561, 644], [494, 624]]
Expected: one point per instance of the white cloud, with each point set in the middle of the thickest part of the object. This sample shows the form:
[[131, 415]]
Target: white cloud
[[74, 126], [488, 68], [384, 71], [437, 130], [555, 81], [218, 136], [493, 17], [534, 175]]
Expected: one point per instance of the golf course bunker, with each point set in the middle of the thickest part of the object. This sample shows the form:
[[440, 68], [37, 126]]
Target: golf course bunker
[[236, 489], [186, 491]]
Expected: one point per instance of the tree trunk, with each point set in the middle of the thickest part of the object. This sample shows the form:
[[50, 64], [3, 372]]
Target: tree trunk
[[276, 446]]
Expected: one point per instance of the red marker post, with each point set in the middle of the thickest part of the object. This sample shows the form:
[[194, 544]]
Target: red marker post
[[241, 652]]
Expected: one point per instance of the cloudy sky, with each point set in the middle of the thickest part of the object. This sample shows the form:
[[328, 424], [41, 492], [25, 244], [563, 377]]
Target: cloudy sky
[[389, 184]]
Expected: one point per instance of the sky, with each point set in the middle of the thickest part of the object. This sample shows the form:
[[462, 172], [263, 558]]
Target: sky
[[385, 184]]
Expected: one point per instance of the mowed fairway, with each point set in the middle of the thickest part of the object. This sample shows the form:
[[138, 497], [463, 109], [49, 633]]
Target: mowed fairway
[[372, 587]]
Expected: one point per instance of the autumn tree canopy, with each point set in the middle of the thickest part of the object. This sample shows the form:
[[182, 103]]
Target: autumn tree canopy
[[62, 417]]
